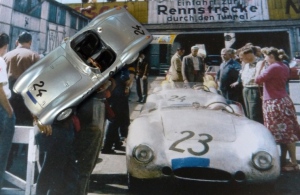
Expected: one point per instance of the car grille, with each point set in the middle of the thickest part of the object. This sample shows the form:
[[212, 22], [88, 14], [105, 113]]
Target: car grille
[[203, 174]]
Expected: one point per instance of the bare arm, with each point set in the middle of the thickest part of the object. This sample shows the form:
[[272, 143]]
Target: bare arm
[[4, 101], [259, 66]]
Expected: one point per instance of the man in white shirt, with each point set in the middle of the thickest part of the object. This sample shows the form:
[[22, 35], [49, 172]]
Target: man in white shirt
[[7, 122]]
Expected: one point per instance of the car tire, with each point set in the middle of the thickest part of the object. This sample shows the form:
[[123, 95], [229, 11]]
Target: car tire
[[64, 114]]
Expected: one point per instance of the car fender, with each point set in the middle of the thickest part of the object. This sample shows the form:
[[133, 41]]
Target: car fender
[[37, 68]]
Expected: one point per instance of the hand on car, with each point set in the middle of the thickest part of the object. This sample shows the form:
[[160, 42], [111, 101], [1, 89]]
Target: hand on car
[[45, 129]]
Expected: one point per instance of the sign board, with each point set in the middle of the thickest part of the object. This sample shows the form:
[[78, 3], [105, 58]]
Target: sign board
[[206, 11]]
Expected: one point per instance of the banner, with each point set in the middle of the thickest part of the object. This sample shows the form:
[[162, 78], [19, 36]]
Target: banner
[[206, 11]]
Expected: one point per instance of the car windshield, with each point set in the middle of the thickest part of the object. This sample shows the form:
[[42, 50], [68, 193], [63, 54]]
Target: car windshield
[[93, 51], [194, 95]]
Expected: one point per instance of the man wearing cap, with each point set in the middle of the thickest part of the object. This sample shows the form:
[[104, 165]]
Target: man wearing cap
[[176, 64], [19, 60], [193, 67]]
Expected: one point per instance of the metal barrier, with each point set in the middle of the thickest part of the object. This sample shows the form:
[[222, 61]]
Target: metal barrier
[[23, 135]]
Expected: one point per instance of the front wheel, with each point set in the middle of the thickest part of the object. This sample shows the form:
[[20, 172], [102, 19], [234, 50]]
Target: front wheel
[[64, 114]]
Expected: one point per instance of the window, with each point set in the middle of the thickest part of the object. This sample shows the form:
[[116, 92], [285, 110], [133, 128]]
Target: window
[[52, 13], [57, 14], [82, 23], [61, 16], [29, 7], [73, 21]]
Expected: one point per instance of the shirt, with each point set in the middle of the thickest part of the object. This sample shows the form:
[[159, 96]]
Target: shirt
[[4, 78], [196, 63], [274, 78], [248, 75], [19, 60]]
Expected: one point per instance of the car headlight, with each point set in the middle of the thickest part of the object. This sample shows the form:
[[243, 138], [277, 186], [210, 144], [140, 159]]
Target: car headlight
[[143, 153], [262, 160]]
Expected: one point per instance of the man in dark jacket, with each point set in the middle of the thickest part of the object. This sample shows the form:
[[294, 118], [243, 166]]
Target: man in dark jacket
[[228, 74], [142, 72], [193, 67]]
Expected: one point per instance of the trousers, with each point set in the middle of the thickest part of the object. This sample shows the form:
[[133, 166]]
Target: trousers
[[7, 130]]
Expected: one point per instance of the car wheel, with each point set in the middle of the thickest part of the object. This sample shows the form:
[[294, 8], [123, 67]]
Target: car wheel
[[64, 114]]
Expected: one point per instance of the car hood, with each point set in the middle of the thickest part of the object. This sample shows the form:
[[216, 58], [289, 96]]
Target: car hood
[[218, 124]]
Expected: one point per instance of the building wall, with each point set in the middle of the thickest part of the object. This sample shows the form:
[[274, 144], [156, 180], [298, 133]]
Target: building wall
[[46, 35]]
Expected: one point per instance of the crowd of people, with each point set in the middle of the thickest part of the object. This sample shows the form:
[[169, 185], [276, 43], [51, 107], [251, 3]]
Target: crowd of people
[[257, 78], [263, 74]]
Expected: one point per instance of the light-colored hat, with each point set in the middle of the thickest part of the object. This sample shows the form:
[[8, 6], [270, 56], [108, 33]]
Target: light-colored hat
[[195, 48]]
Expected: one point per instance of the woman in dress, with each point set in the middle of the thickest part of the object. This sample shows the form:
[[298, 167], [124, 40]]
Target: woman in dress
[[278, 109]]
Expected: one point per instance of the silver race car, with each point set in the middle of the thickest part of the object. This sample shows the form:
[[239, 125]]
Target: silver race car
[[56, 84], [190, 132]]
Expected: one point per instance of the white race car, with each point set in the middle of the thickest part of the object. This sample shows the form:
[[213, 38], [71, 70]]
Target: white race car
[[190, 132], [56, 84]]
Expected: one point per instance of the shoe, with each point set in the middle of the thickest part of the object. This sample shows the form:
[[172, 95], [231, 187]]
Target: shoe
[[139, 100], [108, 151], [290, 167], [121, 148]]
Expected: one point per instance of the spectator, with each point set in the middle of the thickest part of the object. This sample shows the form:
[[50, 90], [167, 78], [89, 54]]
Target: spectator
[[18, 61], [142, 72], [7, 123], [258, 53], [251, 90], [279, 111], [176, 66], [193, 67], [228, 74], [119, 104], [285, 59], [59, 172], [132, 74], [88, 140]]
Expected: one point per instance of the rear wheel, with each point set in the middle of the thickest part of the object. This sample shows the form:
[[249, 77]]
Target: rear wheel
[[64, 114]]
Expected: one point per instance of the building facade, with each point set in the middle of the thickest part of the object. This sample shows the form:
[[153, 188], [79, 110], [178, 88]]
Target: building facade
[[48, 21]]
